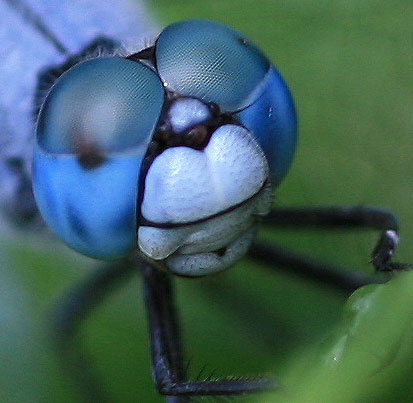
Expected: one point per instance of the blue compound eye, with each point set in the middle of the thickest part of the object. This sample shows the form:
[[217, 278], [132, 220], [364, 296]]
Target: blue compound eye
[[111, 104], [211, 61], [92, 135], [272, 120]]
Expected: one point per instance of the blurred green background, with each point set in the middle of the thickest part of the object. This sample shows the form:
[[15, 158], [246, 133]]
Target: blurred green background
[[349, 65]]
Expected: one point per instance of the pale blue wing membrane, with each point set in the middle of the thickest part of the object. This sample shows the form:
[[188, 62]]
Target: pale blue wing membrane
[[76, 23], [210, 61], [25, 51]]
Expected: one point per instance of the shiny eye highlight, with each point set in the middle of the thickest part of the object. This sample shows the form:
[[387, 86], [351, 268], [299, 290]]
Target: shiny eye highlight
[[210, 61], [105, 104]]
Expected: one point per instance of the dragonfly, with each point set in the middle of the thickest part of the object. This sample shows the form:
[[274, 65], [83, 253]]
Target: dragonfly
[[50, 46]]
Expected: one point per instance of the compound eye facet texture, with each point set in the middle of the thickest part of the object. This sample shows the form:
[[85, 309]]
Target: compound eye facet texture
[[211, 61], [110, 104], [92, 135]]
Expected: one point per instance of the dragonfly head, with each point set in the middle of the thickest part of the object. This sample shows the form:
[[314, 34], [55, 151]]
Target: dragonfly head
[[173, 156]]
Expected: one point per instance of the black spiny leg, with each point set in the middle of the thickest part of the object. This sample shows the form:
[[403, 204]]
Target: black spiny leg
[[339, 277], [165, 347], [71, 311], [349, 217], [333, 217]]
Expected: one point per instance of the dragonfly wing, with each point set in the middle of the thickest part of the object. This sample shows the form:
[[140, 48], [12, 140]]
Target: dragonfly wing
[[34, 35], [78, 22]]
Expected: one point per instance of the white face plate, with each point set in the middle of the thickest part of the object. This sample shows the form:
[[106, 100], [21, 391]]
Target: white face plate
[[184, 185], [203, 203], [191, 250]]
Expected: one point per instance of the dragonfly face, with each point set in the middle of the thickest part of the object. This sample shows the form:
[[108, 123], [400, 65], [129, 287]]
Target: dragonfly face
[[172, 151]]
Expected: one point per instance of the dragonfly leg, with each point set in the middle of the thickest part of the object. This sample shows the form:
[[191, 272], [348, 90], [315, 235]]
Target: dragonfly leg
[[166, 352], [304, 266], [70, 313], [333, 217]]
